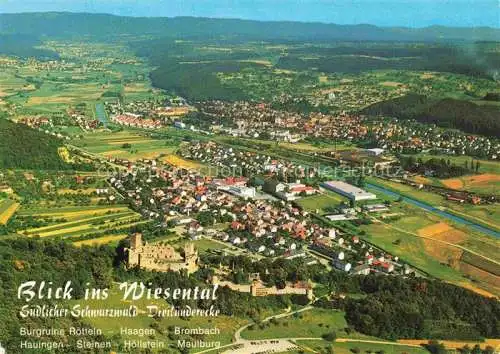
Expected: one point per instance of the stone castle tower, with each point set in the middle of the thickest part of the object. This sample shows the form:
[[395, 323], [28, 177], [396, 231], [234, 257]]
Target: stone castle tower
[[136, 240], [161, 257], [135, 244]]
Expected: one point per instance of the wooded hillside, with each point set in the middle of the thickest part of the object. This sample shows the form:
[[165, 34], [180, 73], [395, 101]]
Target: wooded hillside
[[447, 113], [23, 147]]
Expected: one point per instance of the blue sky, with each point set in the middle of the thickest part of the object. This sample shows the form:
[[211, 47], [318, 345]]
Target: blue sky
[[409, 13]]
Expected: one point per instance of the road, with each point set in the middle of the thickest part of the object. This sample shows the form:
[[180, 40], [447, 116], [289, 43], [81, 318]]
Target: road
[[277, 345], [257, 346]]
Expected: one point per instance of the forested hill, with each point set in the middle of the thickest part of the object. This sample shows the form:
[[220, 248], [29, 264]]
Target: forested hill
[[21, 45], [30, 259], [447, 113], [26, 148], [62, 24]]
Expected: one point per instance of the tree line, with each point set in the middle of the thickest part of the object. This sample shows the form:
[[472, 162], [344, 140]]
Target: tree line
[[440, 168], [446, 113]]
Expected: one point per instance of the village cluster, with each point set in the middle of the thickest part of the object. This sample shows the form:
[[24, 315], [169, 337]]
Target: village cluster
[[247, 119], [149, 114], [205, 207], [244, 162], [351, 96], [261, 120]]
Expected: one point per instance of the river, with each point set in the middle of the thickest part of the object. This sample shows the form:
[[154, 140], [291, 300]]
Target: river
[[100, 113]]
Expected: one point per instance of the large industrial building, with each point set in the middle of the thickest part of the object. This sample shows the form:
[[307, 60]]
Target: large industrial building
[[348, 190]]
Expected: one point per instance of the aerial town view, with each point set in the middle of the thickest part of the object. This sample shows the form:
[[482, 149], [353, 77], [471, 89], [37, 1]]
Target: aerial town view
[[250, 177]]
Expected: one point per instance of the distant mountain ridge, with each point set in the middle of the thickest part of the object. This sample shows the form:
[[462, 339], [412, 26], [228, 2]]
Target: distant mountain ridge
[[22, 45], [67, 24]]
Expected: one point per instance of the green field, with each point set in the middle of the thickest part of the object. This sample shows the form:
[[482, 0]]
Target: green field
[[399, 237], [70, 212], [307, 324], [321, 201], [112, 145], [410, 249], [81, 221], [204, 245], [84, 225]]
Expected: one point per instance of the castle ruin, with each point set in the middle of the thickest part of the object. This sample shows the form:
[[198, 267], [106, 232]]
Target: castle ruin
[[161, 257]]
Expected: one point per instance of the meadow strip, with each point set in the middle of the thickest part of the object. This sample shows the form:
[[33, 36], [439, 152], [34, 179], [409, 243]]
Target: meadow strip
[[100, 240], [89, 220], [7, 208]]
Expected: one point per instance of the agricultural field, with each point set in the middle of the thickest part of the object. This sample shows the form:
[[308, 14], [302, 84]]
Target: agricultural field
[[344, 347], [7, 208], [83, 225], [437, 247], [483, 214], [10, 84], [82, 222], [90, 73], [486, 183], [179, 162], [481, 263], [70, 212], [125, 145], [453, 345]]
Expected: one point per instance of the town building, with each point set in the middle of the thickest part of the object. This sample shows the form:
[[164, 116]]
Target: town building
[[374, 152], [348, 190]]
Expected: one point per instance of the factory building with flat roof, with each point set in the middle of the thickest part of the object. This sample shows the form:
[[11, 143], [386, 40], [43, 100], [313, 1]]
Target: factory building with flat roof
[[348, 190]]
